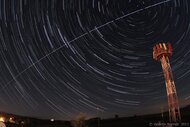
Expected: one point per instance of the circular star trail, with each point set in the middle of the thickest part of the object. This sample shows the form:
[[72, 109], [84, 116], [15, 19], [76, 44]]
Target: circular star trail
[[60, 58]]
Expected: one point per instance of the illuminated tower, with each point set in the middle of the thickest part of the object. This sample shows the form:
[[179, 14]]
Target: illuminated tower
[[162, 52]]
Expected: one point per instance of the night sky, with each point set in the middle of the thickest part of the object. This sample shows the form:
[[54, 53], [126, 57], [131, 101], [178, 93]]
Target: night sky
[[62, 57]]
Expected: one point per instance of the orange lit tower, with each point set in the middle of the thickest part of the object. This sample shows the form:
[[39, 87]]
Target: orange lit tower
[[162, 52]]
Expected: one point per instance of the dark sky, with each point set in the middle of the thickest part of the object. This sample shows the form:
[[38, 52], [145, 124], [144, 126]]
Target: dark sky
[[62, 57]]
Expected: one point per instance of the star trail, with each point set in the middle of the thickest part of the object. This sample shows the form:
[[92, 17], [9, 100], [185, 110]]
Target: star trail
[[62, 57]]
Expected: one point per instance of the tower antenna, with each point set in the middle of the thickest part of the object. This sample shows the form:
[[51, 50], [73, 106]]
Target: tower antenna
[[162, 52]]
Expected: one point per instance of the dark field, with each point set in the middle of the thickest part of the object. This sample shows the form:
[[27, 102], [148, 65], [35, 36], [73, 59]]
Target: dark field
[[154, 120]]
